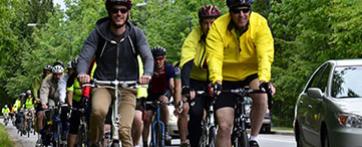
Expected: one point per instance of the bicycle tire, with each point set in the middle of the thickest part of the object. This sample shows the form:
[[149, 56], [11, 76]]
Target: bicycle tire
[[29, 127], [157, 139], [241, 140], [83, 136], [161, 135], [212, 137], [203, 137]]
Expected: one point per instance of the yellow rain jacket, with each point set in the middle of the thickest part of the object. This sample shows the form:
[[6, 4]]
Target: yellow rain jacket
[[193, 48], [233, 58]]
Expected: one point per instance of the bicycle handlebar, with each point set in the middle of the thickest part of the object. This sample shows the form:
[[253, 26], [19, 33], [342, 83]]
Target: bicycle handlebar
[[242, 91]]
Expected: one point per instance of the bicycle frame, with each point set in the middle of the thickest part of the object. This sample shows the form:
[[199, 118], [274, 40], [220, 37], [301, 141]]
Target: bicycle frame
[[157, 125], [239, 136], [208, 126], [83, 127], [115, 116]]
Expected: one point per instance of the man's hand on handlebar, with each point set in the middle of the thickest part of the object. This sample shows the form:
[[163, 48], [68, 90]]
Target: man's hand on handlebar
[[145, 79], [44, 106], [84, 78], [215, 89], [188, 92]]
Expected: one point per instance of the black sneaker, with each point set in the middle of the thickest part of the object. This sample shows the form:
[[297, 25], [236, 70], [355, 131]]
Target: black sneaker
[[253, 143]]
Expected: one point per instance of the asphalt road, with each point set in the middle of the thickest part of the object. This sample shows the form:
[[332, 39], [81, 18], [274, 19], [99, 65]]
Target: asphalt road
[[265, 140], [20, 141]]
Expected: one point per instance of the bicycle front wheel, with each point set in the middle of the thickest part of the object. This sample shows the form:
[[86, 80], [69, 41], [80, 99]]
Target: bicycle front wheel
[[203, 139], [241, 140], [212, 137], [158, 132]]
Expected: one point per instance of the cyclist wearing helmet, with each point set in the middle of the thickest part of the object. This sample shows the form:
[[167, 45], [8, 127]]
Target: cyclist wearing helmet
[[114, 44], [194, 74], [52, 91], [5, 111], [161, 88], [35, 89], [240, 49], [37, 82]]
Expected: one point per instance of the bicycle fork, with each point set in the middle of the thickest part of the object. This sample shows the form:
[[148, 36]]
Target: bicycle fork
[[115, 116], [158, 142]]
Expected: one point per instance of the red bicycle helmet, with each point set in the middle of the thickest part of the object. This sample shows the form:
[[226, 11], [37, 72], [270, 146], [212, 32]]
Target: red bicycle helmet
[[209, 11]]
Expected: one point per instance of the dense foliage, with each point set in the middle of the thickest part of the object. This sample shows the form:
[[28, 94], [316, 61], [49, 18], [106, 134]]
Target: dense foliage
[[307, 32]]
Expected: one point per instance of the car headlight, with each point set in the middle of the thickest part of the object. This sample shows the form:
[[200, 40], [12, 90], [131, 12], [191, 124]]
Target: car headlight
[[350, 120]]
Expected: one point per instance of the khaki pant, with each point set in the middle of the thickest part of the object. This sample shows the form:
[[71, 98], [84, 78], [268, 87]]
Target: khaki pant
[[101, 100]]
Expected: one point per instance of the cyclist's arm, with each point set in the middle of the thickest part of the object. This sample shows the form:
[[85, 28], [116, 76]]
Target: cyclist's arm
[[185, 73], [265, 51], [178, 89], [188, 52], [62, 84], [215, 54], [44, 91], [70, 91], [178, 86], [36, 87], [145, 52], [87, 53]]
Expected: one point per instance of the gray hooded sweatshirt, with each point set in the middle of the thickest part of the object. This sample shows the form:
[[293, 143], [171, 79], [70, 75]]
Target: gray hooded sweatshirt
[[116, 59]]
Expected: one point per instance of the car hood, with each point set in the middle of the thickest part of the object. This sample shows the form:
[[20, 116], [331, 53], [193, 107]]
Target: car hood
[[349, 105]]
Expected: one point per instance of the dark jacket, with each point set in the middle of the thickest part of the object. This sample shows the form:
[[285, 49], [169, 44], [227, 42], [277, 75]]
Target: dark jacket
[[116, 59]]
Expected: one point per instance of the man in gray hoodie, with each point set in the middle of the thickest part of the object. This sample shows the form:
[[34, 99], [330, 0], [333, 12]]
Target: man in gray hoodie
[[115, 44]]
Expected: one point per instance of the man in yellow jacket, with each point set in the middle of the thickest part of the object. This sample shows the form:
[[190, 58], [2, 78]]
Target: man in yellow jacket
[[194, 76], [240, 51]]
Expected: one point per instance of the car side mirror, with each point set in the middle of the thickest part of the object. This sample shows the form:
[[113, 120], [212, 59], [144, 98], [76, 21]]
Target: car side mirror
[[315, 92]]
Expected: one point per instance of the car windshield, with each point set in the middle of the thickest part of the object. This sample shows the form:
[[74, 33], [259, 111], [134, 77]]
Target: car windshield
[[346, 82]]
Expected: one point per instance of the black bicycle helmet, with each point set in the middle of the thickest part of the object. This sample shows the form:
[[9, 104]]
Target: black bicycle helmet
[[209, 11], [158, 51], [48, 67], [236, 3], [110, 3], [73, 63]]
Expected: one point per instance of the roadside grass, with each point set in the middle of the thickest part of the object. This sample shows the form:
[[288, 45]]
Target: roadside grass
[[4, 138], [283, 128]]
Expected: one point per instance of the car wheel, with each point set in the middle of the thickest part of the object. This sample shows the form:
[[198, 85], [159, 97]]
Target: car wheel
[[325, 140]]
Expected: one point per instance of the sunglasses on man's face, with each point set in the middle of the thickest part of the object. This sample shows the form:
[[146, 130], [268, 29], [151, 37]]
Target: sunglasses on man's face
[[116, 10], [238, 10]]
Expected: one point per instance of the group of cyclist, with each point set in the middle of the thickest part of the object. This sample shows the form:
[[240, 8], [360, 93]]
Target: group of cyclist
[[21, 113], [226, 51]]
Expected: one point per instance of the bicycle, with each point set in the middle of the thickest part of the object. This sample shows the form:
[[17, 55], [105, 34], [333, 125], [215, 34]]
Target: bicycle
[[208, 126], [83, 111], [158, 128], [239, 135], [20, 123], [115, 84], [29, 122], [53, 127], [6, 119]]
